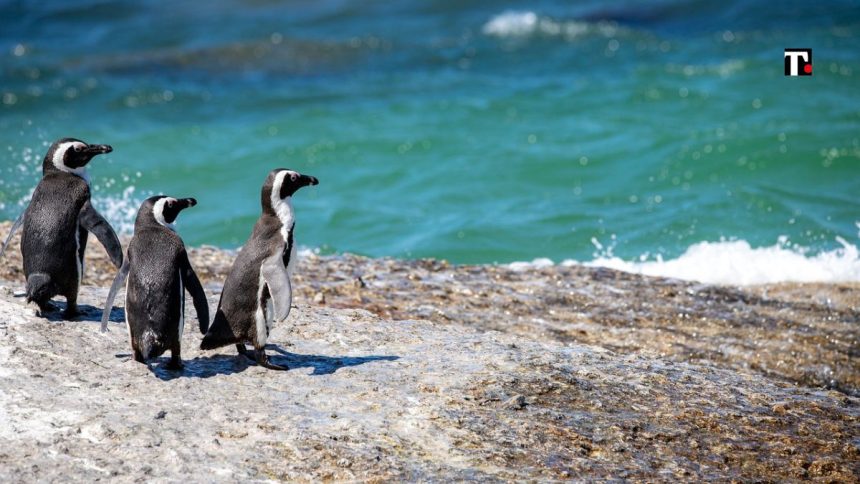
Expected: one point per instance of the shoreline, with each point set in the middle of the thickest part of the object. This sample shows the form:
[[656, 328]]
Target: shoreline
[[802, 333]]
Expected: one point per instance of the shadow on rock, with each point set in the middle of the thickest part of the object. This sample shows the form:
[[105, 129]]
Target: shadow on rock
[[117, 315], [322, 365], [85, 313], [205, 367], [200, 367]]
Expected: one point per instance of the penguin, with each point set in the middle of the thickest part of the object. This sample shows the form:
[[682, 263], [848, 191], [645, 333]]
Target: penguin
[[56, 223], [158, 273], [258, 290]]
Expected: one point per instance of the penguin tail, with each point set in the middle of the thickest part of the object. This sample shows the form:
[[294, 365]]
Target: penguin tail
[[151, 345], [219, 333], [40, 288], [209, 343]]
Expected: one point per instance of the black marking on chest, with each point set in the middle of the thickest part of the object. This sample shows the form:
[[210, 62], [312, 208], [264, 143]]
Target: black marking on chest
[[288, 249]]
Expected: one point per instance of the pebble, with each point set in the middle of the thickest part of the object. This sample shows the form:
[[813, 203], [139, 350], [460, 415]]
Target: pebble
[[517, 402]]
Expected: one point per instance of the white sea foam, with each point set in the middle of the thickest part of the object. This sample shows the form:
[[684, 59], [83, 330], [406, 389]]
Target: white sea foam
[[517, 24], [736, 262], [120, 211], [535, 264], [512, 24]]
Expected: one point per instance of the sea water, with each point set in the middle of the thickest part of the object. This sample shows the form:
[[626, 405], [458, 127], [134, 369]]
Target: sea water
[[660, 137]]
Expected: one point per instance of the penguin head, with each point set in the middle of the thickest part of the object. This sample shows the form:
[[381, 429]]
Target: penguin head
[[282, 184], [71, 156], [162, 210]]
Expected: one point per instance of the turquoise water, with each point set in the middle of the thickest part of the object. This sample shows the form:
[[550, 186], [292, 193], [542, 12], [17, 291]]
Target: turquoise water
[[471, 131]]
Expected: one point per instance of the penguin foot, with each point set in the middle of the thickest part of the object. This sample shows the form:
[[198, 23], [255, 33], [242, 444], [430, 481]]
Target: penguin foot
[[44, 308], [175, 363], [244, 352], [71, 313], [263, 361]]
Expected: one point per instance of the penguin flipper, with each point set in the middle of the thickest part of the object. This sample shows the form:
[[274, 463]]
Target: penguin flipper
[[280, 289], [15, 227], [114, 288], [91, 220], [193, 286]]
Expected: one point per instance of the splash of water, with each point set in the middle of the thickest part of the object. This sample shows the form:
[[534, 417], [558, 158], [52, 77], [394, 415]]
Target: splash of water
[[734, 262]]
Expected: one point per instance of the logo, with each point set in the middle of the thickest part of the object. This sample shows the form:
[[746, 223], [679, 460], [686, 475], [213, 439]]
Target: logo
[[798, 62]]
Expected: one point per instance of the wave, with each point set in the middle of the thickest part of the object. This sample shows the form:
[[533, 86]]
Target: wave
[[514, 24], [120, 210], [736, 262]]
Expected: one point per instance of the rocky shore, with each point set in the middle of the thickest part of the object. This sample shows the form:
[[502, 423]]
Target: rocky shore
[[422, 369]]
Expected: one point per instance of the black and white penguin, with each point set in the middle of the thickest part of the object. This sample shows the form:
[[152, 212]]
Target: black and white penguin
[[258, 291], [56, 223], [159, 273]]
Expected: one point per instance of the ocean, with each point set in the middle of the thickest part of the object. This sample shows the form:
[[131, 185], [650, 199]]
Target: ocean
[[656, 137]]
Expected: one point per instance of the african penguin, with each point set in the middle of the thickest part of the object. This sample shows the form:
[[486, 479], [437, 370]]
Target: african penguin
[[159, 273], [56, 223], [257, 290]]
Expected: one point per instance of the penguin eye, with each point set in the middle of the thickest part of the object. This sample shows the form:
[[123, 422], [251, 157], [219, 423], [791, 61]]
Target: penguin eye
[[293, 177], [77, 148]]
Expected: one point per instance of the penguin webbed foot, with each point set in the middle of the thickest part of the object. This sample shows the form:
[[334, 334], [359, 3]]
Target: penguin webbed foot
[[263, 360], [175, 363], [44, 308], [244, 352], [71, 312]]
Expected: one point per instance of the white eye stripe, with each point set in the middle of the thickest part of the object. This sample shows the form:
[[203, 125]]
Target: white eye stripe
[[59, 160], [279, 182], [158, 212], [282, 207]]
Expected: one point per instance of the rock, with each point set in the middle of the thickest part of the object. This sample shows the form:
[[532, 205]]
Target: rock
[[516, 402], [803, 333], [413, 400], [319, 298]]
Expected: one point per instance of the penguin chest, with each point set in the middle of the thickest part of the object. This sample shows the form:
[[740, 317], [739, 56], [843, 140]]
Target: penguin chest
[[273, 292]]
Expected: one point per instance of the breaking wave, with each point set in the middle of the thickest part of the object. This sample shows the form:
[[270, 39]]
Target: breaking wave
[[736, 262], [517, 24]]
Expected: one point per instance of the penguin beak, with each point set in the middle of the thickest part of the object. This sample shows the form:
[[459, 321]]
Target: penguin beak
[[98, 149], [186, 202], [309, 180]]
